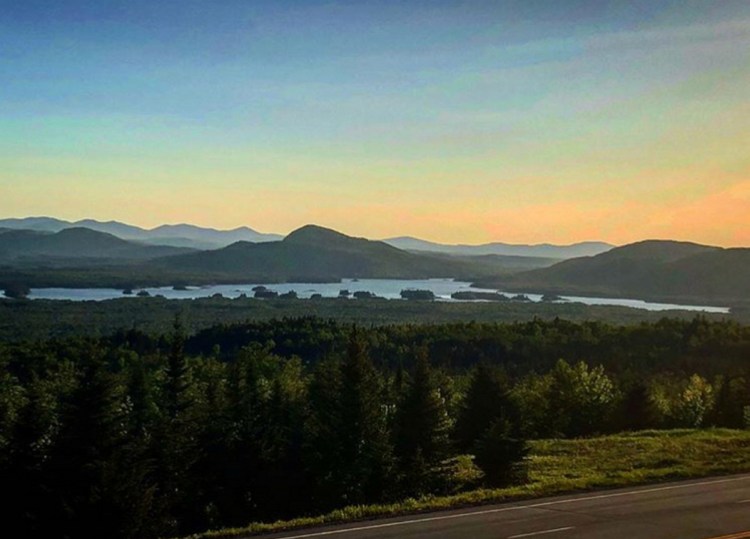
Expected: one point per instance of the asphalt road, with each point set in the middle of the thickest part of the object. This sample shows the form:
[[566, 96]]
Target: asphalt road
[[699, 509]]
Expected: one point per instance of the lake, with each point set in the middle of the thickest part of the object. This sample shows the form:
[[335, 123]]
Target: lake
[[386, 288]]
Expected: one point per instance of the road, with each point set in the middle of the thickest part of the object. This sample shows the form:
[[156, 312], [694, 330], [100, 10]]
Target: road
[[698, 509]]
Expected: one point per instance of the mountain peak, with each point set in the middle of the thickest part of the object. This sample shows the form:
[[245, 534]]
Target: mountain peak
[[314, 234], [664, 250]]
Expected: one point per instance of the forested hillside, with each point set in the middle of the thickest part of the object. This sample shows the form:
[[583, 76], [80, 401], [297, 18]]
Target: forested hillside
[[74, 246], [649, 269], [312, 254], [138, 435]]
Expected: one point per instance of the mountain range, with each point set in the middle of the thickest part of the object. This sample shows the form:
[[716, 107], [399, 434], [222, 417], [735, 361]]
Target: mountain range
[[195, 237], [81, 257], [54, 253], [180, 235]]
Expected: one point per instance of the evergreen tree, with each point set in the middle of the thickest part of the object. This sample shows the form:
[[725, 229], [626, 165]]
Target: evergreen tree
[[174, 443], [364, 436], [501, 454], [99, 489], [729, 403], [348, 427], [488, 426], [323, 443], [487, 401], [25, 485], [637, 411], [143, 409], [422, 431]]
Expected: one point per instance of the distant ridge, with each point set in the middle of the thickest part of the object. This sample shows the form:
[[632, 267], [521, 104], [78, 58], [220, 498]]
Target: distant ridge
[[180, 235], [647, 269], [75, 245], [203, 238], [313, 253], [675, 271], [543, 250]]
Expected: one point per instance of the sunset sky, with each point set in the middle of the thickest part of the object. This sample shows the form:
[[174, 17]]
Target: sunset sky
[[516, 121]]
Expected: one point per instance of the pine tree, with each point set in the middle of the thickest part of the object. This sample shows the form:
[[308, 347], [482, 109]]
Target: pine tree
[[365, 439], [422, 431], [323, 443], [348, 430], [175, 440], [487, 401], [637, 410], [729, 402], [25, 486], [501, 454], [100, 489], [489, 427]]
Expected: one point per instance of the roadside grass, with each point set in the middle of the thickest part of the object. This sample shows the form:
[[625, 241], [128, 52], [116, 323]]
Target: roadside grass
[[565, 466]]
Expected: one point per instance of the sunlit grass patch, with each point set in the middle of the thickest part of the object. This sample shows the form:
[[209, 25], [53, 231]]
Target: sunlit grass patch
[[560, 466]]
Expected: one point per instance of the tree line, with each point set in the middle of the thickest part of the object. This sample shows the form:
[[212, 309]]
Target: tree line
[[140, 435]]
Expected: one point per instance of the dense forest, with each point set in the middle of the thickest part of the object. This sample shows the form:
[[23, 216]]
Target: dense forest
[[154, 435], [42, 319]]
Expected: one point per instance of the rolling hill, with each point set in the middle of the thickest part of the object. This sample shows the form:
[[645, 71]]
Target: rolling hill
[[648, 269], [314, 253], [74, 245]]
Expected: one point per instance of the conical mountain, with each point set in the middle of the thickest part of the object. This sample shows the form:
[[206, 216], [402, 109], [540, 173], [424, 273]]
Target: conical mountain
[[316, 253]]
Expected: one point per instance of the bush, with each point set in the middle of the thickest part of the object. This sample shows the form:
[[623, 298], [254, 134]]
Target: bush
[[501, 456]]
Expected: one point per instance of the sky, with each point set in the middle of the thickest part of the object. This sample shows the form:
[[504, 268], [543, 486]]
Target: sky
[[520, 121]]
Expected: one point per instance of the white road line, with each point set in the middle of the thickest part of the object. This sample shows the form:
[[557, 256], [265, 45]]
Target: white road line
[[544, 532], [743, 501], [516, 508]]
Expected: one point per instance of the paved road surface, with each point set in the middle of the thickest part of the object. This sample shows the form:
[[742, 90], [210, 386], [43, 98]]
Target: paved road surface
[[700, 509]]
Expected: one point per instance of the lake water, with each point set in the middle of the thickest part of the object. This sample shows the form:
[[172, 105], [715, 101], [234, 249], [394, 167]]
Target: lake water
[[386, 288]]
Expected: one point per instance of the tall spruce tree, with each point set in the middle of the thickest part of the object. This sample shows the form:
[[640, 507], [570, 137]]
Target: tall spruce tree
[[99, 489], [488, 426], [175, 439], [323, 443], [365, 439], [25, 484], [487, 400], [422, 431], [348, 428]]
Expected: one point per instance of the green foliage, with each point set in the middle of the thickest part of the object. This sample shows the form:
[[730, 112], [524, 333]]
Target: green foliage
[[695, 402], [636, 410], [559, 466], [487, 400], [422, 430], [138, 435], [489, 426], [581, 399], [42, 319], [500, 454]]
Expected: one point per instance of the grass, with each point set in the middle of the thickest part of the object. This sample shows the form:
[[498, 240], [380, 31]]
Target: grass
[[563, 466]]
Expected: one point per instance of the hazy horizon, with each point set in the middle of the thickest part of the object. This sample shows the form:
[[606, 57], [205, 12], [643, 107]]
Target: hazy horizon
[[453, 122]]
